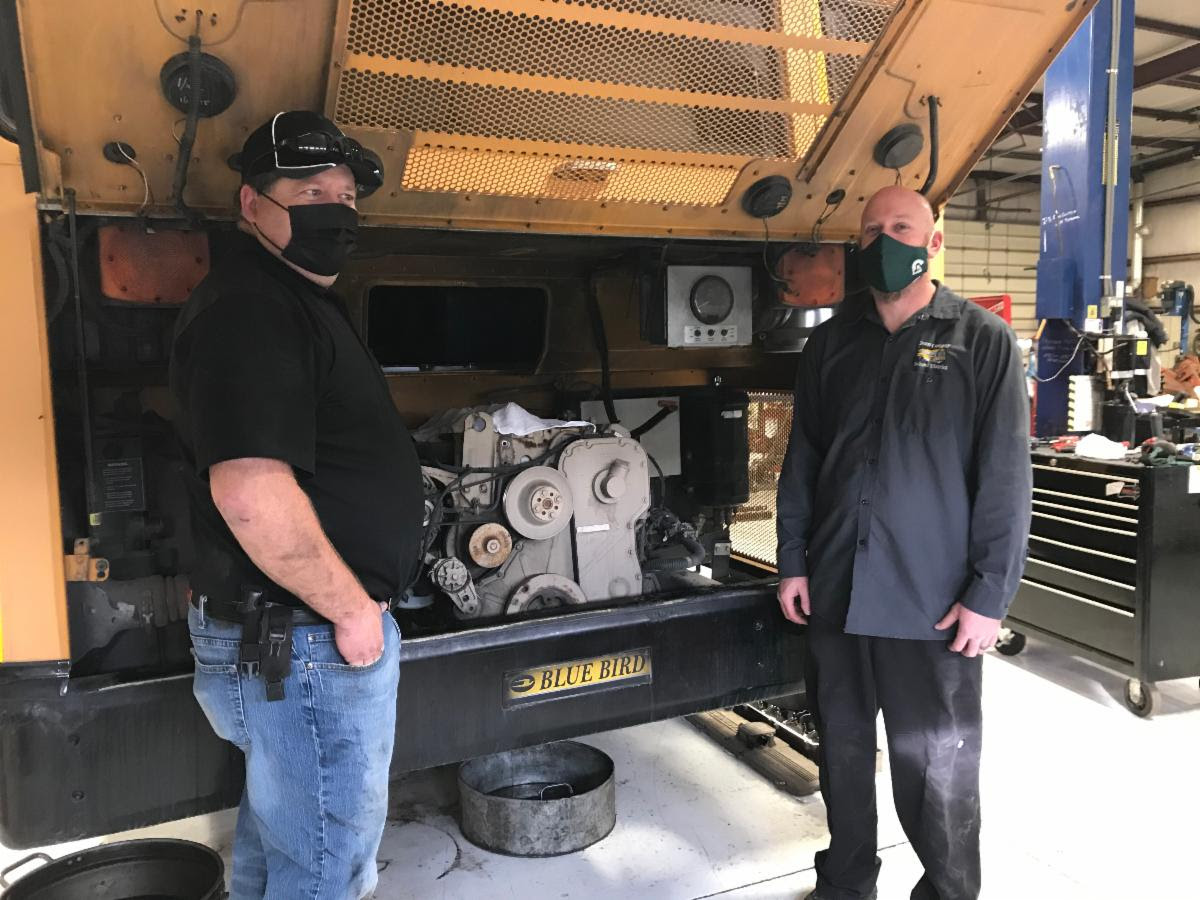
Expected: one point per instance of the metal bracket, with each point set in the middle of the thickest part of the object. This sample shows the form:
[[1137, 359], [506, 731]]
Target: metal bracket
[[479, 451], [82, 566], [452, 576]]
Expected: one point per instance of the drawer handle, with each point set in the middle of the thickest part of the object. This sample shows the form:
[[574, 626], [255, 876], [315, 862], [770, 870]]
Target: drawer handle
[[1045, 540], [1085, 512], [1080, 574], [1128, 507], [1077, 524], [1070, 596], [1059, 471]]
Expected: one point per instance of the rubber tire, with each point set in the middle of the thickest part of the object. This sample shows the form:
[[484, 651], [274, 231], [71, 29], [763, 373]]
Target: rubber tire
[[1012, 646], [1145, 709]]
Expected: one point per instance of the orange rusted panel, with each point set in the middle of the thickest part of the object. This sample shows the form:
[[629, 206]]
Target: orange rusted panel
[[151, 267], [813, 279]]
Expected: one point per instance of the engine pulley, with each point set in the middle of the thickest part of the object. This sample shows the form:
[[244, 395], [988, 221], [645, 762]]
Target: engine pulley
[[544, 592], [538, 503], [490, 545]]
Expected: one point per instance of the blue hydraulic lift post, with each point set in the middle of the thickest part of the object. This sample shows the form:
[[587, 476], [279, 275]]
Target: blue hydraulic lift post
[[1076, 174]]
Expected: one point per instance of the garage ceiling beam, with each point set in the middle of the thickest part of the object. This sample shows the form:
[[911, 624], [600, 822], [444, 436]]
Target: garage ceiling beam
[[1172, 201], [1007, 177], [1165, 160], [1167, 115], [1028, 120], [1160, 143], [1187, 82], [1164, 68], [1022, 155], [1145, 23]]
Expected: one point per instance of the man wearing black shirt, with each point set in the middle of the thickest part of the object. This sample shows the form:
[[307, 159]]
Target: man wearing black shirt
[[307, 507], [903, 513]]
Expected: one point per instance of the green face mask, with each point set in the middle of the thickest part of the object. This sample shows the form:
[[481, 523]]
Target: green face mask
[[888, 265]]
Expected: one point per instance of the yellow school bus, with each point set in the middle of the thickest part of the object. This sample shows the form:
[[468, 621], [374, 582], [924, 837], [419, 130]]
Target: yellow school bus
[[616, 211]]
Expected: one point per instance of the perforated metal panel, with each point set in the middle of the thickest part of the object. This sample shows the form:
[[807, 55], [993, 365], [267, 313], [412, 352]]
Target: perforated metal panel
[[517, 174], [656, 101], [769, 424]]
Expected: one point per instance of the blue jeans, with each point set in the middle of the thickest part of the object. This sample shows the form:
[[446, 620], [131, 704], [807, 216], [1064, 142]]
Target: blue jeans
[[315, 802]]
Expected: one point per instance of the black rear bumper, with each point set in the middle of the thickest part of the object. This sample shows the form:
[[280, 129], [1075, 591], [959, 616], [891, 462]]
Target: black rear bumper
[[104, 757], [706, 651], [101, 758]]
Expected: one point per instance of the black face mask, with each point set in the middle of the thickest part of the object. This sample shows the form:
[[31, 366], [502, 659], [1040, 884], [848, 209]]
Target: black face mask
[[323, 235]]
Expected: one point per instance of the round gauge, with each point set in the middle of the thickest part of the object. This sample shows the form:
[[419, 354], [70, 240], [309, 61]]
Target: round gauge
[[712, 299]]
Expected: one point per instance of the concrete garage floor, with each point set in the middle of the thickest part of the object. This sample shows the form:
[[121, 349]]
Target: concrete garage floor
[[1080, 798]]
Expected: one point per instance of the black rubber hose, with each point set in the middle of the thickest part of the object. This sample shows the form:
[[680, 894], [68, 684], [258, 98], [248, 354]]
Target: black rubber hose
[[8, 125], [1135, 308], [601, 339], [662, 482], [651, 422], [695, 556], [189, 132], [85, 405], [9, 129], [62, 281], [933, 145]]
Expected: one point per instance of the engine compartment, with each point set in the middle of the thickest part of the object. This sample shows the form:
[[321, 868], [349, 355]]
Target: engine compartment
[[537, 504], [554, 516]]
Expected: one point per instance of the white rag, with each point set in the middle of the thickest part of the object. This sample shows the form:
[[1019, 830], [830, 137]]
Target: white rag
[[513, 419], [1097, 446]]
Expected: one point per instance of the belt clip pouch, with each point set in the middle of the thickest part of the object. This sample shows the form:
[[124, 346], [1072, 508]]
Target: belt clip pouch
[[276, 648], [250, 653]]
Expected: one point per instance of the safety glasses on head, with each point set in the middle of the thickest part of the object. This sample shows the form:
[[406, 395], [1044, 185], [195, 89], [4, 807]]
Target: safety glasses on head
[[302, 143], [313, 149]]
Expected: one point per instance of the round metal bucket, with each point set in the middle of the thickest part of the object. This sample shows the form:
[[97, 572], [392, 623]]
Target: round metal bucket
[[538, 801], [129, 870]]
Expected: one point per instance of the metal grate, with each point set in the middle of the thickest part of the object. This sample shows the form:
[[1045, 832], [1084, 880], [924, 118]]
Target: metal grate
[[658, 87], [769, 424], [375, 100], [517, 174]]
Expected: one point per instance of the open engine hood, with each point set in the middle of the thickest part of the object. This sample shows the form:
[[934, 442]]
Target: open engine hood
[[587, 116]]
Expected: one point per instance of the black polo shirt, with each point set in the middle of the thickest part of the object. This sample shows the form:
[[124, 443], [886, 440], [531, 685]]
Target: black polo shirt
[[907, 482], [267, 364]]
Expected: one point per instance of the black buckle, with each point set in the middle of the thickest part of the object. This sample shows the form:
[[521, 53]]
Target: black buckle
[[276, 649], [250, 605], [248, 664]]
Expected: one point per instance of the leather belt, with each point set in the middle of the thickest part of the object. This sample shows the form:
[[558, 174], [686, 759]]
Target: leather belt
[[225, 611]]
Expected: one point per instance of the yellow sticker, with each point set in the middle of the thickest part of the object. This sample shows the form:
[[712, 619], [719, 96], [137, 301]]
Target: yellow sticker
[[1142, 348], [1093, 312], [566, 679]]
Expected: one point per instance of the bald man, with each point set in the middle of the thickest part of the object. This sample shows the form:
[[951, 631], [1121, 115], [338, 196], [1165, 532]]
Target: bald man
[[904, 507]]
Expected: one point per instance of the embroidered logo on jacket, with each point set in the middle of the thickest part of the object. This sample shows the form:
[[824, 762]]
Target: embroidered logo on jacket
[[931, 356]]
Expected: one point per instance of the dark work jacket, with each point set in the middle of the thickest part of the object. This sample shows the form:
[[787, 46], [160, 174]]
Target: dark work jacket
[[907, 481]]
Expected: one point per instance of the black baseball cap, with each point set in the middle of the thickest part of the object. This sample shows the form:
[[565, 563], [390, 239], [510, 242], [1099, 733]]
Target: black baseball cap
[[298, 143]]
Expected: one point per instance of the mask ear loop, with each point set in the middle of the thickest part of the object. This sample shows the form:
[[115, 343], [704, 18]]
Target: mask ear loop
[[286, 209]]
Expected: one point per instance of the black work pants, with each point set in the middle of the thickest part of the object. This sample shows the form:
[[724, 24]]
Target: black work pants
[[930, 699]]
